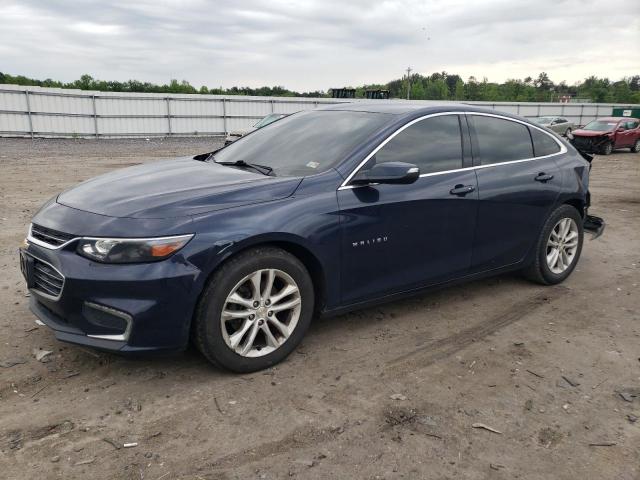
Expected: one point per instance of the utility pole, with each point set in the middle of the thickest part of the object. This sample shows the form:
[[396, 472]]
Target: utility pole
[[408, 82]]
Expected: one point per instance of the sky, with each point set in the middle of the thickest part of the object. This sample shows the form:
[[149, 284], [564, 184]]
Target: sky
[[317, 44]]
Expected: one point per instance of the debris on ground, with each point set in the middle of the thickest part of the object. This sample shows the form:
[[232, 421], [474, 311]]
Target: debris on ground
[[602, 444], [55, 459], [130, 445], [112, 443], [495, 466], [12, 362], [42, 355], [486, 427], [626, 396], [632, 418], [84, 462], [398, 396], [570, 381], [534, 373]]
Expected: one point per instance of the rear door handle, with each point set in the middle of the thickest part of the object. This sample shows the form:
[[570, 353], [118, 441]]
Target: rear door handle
[[462, 190], [543, 177]]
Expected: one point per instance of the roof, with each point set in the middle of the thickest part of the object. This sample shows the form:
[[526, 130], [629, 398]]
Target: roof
[[615, 119], [397, 107]]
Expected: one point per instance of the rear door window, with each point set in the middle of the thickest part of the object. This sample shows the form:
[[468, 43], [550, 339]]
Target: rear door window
[[433, 144], [543, 144], [500, 140]]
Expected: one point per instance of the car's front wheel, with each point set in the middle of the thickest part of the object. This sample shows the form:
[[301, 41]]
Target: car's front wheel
[[636, 146], [607, 148], [255, 310], [558, 248]]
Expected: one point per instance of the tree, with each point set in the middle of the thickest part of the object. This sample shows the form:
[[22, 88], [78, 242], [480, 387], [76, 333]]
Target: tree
[[459, 90], [437, 86], [437, 89]]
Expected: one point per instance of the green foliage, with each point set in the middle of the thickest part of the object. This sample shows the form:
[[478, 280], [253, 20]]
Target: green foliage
[[437, 86]]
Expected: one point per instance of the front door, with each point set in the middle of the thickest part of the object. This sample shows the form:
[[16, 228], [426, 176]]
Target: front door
[[627, 137], [399, 237]]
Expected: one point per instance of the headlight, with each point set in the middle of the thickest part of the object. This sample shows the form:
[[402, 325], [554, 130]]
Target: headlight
[[131, 250]]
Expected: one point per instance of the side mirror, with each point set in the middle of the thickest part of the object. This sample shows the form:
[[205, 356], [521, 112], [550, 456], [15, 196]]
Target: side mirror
[[555, 122], [389, 172], [620, 129]]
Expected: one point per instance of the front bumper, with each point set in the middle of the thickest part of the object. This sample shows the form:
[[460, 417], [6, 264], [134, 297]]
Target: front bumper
[[124, 308], [590, 145]]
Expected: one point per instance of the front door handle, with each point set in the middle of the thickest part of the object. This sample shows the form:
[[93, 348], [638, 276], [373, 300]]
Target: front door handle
[[543, 177], [462, 190]]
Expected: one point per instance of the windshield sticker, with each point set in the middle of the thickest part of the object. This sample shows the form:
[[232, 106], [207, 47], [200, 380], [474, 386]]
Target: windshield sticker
[[313, 164]]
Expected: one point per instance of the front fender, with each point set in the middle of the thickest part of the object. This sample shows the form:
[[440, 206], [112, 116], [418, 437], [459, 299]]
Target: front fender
[[308, 223]]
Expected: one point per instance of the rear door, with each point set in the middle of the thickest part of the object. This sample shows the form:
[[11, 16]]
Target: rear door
[[517, 188], [399, 237]]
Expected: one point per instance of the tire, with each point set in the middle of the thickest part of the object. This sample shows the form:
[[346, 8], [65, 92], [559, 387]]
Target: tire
[[567, 132], [636, 146], [544, 270], [607, 148], [254, 349]]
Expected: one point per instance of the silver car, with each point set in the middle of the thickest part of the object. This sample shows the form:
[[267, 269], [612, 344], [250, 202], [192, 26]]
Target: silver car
[[557, 124]]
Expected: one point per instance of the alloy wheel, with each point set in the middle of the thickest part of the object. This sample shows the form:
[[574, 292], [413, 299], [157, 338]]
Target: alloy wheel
[[261, 312], [562, 245]]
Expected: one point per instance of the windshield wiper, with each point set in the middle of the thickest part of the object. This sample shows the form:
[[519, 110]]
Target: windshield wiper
[[263, 169]]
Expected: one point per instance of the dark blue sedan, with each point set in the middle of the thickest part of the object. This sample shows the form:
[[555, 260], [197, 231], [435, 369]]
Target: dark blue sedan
[[319, 213]]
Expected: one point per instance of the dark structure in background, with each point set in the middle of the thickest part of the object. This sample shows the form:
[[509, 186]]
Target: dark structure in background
[[343, 92], [377, 94]]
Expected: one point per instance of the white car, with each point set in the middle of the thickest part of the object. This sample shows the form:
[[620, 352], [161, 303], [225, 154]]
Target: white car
[[272, 117]]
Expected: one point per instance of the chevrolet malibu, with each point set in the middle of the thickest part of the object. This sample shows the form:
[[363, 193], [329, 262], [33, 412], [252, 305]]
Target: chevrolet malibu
[[322, 212]]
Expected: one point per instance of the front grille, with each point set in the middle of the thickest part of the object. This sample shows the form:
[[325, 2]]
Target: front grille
[[46, 278], [50, 236], [582, 143]]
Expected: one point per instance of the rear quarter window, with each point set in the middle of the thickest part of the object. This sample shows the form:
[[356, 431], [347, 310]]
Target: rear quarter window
[[501, 140], [543, 144]]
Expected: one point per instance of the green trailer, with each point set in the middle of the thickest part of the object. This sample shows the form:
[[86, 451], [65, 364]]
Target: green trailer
[[633, 112]]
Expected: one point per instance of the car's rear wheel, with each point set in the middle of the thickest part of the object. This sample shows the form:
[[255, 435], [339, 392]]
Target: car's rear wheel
[[255, 310], [558, 248], [636, 146], [607, 148]]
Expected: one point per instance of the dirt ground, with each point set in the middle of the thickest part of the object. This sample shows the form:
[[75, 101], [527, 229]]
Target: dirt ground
[[385, 393]]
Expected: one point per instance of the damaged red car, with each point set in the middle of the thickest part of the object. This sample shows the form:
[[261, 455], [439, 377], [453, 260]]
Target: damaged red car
[[607, 134]]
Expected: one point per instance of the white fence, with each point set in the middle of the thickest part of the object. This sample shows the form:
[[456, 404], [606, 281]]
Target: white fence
[[53, 112]]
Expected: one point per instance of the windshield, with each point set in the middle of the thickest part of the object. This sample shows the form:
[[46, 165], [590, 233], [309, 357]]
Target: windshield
[[304, 143], [544, 120], [600, 126]]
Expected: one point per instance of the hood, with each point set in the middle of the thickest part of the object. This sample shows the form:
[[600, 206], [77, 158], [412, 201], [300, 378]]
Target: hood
[[175, 188], [589, 133]]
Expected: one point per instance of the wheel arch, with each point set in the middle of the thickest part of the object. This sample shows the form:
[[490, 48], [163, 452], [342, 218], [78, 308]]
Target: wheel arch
[[577, 203], [291, 244]]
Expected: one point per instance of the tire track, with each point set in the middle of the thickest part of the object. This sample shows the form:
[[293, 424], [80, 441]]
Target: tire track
[[445, 347]]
